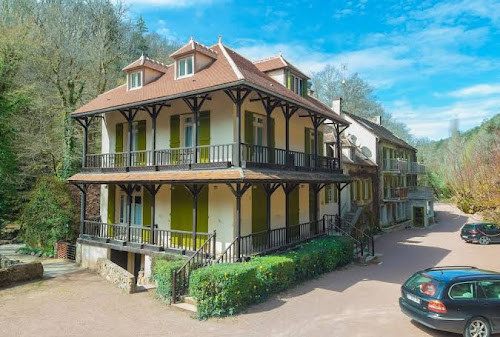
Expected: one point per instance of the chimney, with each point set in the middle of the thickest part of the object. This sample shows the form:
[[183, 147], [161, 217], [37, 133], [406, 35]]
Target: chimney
[[310, 92], [337, 105], [377, 120]]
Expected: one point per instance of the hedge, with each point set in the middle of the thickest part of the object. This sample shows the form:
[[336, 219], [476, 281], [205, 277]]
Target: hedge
[[223, 289], [226, 289], [162, 274]]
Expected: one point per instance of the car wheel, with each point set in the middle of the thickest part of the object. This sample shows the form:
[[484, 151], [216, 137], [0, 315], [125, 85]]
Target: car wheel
[[477, 327], [484, 240]]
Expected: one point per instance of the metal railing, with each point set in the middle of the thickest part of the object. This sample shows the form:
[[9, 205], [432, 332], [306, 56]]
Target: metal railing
[[166, 238], [416, 168], [201, 258], [363, 241], [398, 164], [267, 241], [398, 193], [266, 155]]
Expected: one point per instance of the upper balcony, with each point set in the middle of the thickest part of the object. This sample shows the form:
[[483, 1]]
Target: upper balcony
[[416, 168], [395, 194], [211, 156], [395, 165]]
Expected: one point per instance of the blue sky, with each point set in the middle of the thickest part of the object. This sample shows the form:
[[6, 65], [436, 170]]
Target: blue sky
[[430, 61]]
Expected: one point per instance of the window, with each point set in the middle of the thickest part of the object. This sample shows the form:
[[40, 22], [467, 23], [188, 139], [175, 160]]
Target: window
[[188, 132], [185, 67], [490, 290], [297, 85], [422, 285], [135, 80], [462, 291], [136, 218], [258, 129]]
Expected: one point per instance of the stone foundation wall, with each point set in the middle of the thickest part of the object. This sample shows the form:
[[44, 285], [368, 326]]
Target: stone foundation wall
[[87, 255], [20, 272], [116, 275]]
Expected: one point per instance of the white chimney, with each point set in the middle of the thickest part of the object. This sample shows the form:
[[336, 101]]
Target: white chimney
[[377, 120], [337, 105]]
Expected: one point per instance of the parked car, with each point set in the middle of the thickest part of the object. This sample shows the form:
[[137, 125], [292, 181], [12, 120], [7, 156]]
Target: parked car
[[454, 299], [483, 232]]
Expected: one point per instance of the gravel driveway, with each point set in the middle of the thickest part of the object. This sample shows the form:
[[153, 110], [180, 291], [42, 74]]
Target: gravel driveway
[[357, 301]]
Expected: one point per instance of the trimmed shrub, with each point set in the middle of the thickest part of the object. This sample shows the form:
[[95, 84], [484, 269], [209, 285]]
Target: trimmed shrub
[[223, 289], [162, 273], [274, 274]]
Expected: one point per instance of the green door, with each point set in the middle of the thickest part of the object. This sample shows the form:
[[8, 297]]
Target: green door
[[119, 156], [175, 140], [146, 214], [141, 143], [182, 215]]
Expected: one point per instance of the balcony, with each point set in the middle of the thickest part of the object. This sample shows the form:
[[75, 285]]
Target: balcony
[[210, 156], [420, 193], [395, 165], [416, 168], [396, 194]]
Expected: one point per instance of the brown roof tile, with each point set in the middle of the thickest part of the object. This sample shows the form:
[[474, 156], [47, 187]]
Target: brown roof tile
[[230, 68], [194, 46], [277, 62], [144, 61]]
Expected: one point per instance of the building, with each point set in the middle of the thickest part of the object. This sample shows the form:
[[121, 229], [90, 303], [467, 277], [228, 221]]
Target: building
[[396, 191], [196, 154]]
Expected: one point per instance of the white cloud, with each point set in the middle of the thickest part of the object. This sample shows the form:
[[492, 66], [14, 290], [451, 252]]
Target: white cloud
[[434, 122], [477, 90], [452, 10]]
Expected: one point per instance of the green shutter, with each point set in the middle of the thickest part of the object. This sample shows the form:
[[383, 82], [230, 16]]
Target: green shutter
[[175, 126], [327, 194], [304, 88], [249, 127], [320, 144], [294, 212], [370, 186], [307, 146], [146, 214], [272, 141], [359, 195], [204, 135], [335, 194], [111, 203], [141, 142], [288, 79], [119, 138], [259, 209]]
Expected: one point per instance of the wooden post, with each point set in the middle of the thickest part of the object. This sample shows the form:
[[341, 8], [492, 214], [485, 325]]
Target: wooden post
[[85, 146], [287, 215], [153, 121], [316, 160], [129, 214], [238, 97], [195, 216], [83, 206], [339, 150], [238, 221]]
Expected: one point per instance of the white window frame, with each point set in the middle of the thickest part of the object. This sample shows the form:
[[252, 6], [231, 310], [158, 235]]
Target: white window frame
[[178, 67], [131, 82], [297, 85]]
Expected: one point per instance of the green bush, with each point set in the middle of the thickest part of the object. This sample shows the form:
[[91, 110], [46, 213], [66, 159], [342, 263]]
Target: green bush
[[223, 289], [48, 216], [226, 289], [274, 274], [162, 269]]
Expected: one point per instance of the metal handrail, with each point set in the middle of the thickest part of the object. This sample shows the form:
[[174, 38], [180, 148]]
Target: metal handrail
[[180, 277]]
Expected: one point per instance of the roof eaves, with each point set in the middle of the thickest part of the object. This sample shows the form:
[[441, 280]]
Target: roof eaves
[[233, 65]]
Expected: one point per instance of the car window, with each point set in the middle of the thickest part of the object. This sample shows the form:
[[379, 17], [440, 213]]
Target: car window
[[422, 285], [490, 289], [462, 291]]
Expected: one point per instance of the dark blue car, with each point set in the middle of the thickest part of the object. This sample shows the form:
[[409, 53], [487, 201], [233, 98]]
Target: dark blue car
[[454, 299]]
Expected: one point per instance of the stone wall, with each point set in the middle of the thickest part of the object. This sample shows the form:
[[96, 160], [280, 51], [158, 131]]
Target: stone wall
[[116, 275], [20, 272]]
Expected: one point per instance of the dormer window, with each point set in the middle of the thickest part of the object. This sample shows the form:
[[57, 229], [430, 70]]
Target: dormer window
[[185, 67], [297, 85], [135, 80]]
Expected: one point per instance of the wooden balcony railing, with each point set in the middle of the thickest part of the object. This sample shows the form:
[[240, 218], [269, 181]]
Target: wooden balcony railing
[[399, 193], [165, 238], [213, 154]]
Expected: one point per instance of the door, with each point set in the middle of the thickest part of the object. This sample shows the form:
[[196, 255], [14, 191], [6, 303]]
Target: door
[[187, 140], [418, 216], [489, 291], [182, 216]]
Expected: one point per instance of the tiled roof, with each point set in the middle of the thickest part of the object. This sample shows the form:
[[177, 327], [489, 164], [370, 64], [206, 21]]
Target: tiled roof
[[227, 70], [277, 62], [214, 176], [144, 61], [194, 46], [380, 131]]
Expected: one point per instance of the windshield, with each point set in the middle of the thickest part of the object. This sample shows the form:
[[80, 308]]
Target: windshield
[[422, 284]]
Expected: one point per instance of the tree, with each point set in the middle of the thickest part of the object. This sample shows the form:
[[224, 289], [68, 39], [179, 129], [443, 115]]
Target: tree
[[358, 97]]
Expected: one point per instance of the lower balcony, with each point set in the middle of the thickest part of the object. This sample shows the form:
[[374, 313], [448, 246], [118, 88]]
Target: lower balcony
[[211, 156], [396, 194], [181, 242]]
